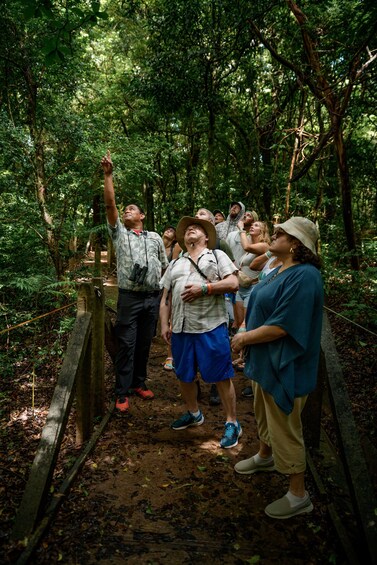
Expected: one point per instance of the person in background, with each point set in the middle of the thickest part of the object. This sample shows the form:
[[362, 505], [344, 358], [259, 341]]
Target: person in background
[[141, 258], [193, 298], [172, 249], [283, 333], [236, 212], [205, 214], [219, 217], [257, 237]]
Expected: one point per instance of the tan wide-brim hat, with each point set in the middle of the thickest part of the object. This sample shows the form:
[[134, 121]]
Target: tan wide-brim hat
[[302, 229], [205, 224]]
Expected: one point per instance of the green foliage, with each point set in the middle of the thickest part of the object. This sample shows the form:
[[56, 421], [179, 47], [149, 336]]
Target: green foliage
[[196, 112], [62, 23]]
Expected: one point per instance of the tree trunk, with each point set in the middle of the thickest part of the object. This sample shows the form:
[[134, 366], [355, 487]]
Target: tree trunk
[[51, 238], [149, 205], [345, 187], [296, 150]]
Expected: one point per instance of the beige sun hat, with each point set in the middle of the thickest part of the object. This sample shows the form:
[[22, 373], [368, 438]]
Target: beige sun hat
[[205, 224], [302, 229]]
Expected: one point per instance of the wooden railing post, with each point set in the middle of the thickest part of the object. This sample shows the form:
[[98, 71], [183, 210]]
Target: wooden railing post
[[91, 383], [98, 348], [84, 386]]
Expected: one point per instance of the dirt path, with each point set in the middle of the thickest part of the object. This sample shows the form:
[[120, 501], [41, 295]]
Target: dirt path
[[152, 495]]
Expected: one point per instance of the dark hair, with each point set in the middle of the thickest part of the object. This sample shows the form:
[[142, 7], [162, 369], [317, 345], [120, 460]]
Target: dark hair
[[139, 208], [303, 255]]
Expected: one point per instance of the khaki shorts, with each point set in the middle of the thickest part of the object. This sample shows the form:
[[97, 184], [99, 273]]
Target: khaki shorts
[[281, 432]]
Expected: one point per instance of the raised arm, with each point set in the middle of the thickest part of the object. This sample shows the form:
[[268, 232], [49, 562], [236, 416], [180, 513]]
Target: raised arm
[[256, 248], [259, 262], [109, 194]]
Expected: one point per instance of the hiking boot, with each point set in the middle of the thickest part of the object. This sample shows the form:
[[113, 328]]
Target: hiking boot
[[282, 508], [187, 420], [231, 434], [122, 404], [144, 393], [214, 398], [250, 466]]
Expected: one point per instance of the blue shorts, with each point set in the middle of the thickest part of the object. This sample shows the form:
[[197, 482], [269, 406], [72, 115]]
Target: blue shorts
[[207, 352]]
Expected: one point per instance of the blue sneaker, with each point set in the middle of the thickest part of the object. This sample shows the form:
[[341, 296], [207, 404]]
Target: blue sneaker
[[187, 420], [231, 435]]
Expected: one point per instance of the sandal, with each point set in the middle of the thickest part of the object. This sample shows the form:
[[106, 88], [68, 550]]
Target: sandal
[[237, 361], [168, 364]]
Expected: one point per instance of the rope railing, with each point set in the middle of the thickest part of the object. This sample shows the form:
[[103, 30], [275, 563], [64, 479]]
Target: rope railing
[[73, 303], [350, 321], [36, 318]]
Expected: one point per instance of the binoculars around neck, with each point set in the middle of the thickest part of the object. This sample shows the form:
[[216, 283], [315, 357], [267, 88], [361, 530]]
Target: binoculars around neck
[[138, 274]]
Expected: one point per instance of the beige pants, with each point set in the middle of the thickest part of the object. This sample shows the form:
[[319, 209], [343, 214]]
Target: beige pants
[[281, 432]]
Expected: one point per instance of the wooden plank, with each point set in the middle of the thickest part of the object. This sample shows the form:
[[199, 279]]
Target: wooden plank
[[84, 386], [63, 491], [360, 485], [42, 469], [98, 348], [84, 397]]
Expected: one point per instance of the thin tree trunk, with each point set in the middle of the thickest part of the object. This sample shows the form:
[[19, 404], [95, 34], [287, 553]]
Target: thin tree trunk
[[50, 238], [345, 187], [296, 149]]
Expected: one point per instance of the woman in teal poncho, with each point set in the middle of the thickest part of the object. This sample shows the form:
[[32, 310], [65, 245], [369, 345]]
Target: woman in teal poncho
[[283, 322]]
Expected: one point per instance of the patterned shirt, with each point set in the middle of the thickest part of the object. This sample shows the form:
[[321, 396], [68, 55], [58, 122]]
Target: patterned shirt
[[146, 249], [206, 312]]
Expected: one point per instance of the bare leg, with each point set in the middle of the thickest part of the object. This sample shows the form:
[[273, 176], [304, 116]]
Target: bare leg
[[228, 399], [239, 313], [190, 395], [297, 484], [265, 450]]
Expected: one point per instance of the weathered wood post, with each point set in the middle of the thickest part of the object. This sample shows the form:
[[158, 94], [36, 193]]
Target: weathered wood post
[[98, 348], [84, 388], [91, 382]]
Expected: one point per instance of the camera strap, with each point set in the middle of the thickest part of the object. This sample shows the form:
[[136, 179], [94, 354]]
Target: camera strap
[[197, 268]]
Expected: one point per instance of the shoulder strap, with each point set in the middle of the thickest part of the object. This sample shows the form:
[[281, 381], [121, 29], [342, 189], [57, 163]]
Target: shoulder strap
[[195, 265], [197, 268]]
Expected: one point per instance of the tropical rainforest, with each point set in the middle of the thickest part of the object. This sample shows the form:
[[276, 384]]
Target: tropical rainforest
[[270, 102], [200, 102]]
